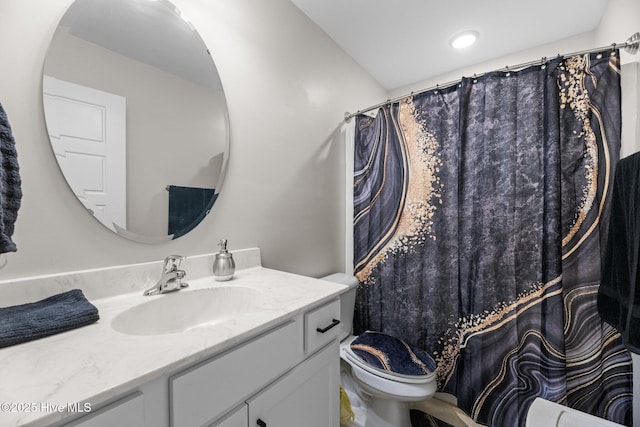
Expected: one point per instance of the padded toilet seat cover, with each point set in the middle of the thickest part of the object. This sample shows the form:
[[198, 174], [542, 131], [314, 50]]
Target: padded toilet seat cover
[[391, 354]]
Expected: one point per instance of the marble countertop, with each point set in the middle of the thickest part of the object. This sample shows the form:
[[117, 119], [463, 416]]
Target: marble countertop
[[96, 363]]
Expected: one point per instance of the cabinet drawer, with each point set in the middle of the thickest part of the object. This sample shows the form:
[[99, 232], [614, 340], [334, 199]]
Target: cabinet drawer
[[208, 390], [321, 325]]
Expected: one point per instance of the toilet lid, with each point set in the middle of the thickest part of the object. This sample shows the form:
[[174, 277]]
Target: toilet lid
[[356, 362], [391, 357]]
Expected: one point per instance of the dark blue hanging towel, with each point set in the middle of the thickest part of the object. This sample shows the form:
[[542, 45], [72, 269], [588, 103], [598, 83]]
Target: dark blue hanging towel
[[619, 292], [187, 207], [10, 185]]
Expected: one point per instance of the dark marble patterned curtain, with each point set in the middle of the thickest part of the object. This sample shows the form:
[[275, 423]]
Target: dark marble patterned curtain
[[480, 217]]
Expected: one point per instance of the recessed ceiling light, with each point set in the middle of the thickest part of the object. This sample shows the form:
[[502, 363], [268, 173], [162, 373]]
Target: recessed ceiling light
[[464, 40]]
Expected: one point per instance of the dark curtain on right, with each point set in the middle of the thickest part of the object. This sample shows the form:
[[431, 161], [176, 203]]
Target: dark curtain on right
[[480, 216]]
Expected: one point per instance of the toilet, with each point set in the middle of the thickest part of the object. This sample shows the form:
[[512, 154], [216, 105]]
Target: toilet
[[385, 394]]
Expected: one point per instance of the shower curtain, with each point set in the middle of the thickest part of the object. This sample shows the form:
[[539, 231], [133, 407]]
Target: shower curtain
[[480, 216]]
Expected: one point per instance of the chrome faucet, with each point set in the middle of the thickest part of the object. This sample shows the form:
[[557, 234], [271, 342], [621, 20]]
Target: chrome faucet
[[171, 279]]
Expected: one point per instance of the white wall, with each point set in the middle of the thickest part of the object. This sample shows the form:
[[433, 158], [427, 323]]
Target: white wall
[[287, 86]]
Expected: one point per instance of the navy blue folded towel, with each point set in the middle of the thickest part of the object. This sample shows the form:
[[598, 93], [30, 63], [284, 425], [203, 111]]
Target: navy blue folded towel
[[50, 316], [392, 354]]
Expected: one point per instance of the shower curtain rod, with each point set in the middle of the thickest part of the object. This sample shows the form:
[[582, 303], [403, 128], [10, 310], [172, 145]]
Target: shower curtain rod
[[631, 46]]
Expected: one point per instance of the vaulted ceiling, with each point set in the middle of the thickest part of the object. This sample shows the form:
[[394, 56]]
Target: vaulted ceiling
[[400, 42]]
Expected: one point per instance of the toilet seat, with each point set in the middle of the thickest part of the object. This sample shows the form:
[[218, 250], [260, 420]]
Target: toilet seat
[[353, 359], [388, 387]]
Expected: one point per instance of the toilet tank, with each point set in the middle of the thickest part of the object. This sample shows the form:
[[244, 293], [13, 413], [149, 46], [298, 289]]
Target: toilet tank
[[347, 301]]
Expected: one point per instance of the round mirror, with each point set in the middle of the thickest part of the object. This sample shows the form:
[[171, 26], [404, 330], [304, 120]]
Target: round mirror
[[136, 116]]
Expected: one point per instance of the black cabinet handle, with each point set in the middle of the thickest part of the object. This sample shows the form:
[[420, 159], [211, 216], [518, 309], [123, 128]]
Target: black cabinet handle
[[261, 423], [333, 324]]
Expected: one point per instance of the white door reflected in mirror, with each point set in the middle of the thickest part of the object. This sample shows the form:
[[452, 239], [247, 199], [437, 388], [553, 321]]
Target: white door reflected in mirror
[[87, 129]]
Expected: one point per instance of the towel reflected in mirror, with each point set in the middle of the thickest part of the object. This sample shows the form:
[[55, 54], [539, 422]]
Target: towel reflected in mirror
[[187, 207]]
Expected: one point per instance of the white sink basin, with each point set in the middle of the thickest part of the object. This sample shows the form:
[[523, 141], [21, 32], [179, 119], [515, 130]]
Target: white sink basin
[[183, 310]]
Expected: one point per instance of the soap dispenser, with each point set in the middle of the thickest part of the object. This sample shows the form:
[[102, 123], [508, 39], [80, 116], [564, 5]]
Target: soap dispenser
[[223, 264]]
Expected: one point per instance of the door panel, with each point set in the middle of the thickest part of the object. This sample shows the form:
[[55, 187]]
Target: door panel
[[87, 128]]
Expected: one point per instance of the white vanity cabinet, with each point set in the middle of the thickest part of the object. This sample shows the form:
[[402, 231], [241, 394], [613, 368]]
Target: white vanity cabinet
[[287, 376]]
